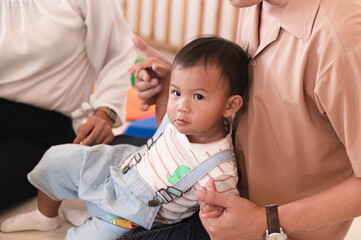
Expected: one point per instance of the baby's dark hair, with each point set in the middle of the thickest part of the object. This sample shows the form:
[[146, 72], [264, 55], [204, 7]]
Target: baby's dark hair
[[221, 53]]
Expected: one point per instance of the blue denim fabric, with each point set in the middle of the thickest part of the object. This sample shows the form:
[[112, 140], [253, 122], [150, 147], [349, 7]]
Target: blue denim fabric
[[67, 172], [95, 229], [93, 174]]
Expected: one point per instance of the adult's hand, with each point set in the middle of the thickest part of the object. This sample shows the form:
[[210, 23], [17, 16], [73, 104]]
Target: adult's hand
[[210, 210], [97, 130], [150, 74], [241, 219], [148, 50]]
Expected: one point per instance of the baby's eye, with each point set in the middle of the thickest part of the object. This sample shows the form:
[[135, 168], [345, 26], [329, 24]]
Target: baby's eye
[[198, 96], [176, 93]]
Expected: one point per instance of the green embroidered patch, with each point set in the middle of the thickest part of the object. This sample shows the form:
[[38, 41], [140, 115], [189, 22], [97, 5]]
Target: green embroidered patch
[[178, 174]]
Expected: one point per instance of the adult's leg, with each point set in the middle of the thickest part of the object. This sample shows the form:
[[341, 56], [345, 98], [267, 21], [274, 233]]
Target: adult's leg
[[127, 139], [17, 159], [188, 229], [26, 133]]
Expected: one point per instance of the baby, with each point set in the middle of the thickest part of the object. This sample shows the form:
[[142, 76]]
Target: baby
[[124, 186]]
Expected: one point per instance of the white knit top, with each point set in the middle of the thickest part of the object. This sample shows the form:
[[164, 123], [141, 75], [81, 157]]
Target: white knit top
[[52, 52]]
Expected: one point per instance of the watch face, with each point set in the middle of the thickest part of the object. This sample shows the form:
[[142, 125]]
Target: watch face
[[276, 236]]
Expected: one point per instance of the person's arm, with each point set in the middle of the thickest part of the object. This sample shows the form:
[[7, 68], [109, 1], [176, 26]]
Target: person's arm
[[96, 130], [242, 219], [152, 77], [110, 51], [224, 181], [339, 203], [210, 210]]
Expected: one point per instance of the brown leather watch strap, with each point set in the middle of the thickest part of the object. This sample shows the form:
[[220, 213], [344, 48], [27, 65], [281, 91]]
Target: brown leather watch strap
[[272, 218]]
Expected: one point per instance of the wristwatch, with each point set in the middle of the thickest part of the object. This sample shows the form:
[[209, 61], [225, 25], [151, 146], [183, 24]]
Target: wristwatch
[[274, 230], [110, 112]]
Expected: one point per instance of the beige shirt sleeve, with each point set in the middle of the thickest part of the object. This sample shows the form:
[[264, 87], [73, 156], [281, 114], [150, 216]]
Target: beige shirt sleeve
[[338, 97]]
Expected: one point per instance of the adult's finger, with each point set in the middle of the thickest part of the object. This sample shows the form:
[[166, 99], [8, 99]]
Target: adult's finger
[[147, 50], [151, 67], [99, 133], [149, 92], [211, 185], [212, 213], [215, 198], [144, 106], [83, 132]]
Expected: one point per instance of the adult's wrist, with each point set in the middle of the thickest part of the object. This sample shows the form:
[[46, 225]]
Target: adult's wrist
[[257, 224], [289, 217], [111, 114], [103, 115], [274, 229], [263, 223]]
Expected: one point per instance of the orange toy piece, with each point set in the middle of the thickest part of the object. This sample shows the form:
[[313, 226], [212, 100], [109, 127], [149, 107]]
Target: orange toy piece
[[132, 109]]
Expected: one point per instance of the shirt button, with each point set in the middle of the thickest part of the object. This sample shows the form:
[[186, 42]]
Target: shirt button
[[254, 62]]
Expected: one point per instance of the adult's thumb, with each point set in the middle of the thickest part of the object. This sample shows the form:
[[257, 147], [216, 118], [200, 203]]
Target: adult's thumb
[[215, 198], [148, 50]]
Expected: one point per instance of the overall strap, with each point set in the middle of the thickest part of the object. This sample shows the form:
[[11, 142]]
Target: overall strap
[[156, 135], [138, 156], [187, 181]]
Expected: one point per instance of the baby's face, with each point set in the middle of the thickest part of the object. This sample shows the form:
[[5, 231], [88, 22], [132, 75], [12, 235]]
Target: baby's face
[[197, 101]]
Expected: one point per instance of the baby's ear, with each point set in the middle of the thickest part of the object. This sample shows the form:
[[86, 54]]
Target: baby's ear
[[234, 103]]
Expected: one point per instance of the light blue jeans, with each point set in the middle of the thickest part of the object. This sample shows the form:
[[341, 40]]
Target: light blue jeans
[[93, 174]]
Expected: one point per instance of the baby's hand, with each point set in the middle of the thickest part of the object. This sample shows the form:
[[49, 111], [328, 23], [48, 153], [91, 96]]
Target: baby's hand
[[210, 210]]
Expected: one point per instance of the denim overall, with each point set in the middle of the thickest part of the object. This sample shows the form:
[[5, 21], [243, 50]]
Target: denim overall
[[109, 189]]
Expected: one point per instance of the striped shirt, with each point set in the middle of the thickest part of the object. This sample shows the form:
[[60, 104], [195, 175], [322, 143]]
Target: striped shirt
[[171, 157]]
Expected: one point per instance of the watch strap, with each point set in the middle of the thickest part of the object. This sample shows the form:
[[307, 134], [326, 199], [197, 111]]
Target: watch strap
[[273, 223], [110, 112]]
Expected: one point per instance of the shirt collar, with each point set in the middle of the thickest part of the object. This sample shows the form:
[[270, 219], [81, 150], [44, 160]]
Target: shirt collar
[[300, 23]]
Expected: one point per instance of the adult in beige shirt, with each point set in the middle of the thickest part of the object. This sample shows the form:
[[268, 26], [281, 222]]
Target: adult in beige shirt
[[298, 145]]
